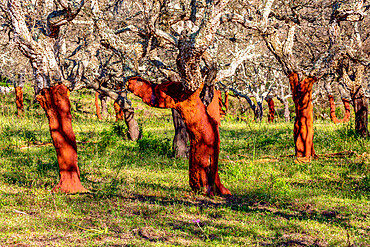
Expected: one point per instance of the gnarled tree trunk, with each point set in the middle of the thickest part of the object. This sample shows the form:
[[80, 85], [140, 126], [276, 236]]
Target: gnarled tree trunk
[[180, 140], [360, 103], [347, 109], [55, 102], [303, 125], [271, 105], [19, 100], [202, 123]]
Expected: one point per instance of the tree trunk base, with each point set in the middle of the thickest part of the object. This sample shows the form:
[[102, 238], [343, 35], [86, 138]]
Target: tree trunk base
[[55, 102]]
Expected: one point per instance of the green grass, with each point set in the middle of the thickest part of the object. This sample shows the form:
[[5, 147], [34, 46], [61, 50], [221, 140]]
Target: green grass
[[140, 194]]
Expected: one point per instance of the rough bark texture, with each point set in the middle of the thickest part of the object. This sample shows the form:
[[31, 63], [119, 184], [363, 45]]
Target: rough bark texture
[[347, 109], [303, 125], [203, 128], [97, 107], [129, 117], [104, 106], [271, 105], [180, 141], [55, 102], [19, 100], [360, 103]]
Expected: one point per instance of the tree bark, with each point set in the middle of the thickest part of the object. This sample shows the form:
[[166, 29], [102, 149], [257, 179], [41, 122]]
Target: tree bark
[[55, 102], [180, 140], [129, 116], [258, 112], [271, 105], [347, 109], [360, 103], [203, 128], [19, 100], [303, 125], [104, 107], [97, 107], [222, 103]]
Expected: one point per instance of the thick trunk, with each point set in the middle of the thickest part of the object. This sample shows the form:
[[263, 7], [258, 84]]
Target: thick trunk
[[180, 141], [55, 102], [361, 110], [333, 117], [303, 125], [202, 123], [19, 100], [97, 107], [271, 105]]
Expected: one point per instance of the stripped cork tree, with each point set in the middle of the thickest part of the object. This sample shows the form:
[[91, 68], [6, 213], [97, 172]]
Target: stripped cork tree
[[42, 45], [347, 109], [350, 47], [188, 77], [299, 43]]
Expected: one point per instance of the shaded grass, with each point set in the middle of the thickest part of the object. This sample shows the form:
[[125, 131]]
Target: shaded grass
[[140, 195]]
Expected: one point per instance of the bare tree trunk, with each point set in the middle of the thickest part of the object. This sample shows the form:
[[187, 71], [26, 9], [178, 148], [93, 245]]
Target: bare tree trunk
[[333, 117], [133, 127], [360, 103], [303, 125], [202, 123], [128, 115], [285, 102], [104, 107], [55, 102], [97, 107], [271, 105], [180, 141], [19, 100], [258, 112]]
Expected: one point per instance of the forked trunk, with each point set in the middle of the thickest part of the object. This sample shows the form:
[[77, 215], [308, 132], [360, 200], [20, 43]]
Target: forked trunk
[[202, 123], [271, 105], [19, 100], [180, 140], [303, 125], [347, 109], [55, 102], [97, 107], [360, 103]]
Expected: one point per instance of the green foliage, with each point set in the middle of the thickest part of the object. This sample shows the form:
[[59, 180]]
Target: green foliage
[[153, 144]]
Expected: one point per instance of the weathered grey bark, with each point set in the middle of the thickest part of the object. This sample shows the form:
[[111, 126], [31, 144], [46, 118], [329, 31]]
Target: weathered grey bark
[[360, 104], [180, 141], [285, 102], [133, 127], [104, 107]]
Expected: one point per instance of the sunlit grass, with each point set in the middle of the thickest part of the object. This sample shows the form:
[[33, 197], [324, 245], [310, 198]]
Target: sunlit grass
[[140, 194]]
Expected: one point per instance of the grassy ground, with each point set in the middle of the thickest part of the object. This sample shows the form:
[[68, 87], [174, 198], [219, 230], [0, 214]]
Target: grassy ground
[[141, 197]]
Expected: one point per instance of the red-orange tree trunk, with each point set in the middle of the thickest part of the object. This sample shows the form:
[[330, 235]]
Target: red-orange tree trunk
[[97, 107], [19, 100], [119, 112], [271, 105], [303, 125], [55, 102], [202, 123], [347, 109]]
